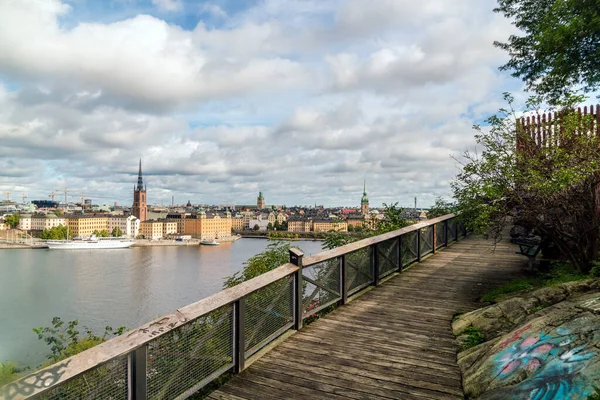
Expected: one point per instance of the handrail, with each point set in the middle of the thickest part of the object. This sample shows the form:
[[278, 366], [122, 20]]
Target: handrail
[[360, 244], [287, 295]]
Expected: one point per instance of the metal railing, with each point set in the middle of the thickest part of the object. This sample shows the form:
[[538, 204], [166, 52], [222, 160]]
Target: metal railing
[[179, 353]]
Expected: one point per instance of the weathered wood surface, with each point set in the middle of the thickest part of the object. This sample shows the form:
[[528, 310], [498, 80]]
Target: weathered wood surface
[[393, 342]]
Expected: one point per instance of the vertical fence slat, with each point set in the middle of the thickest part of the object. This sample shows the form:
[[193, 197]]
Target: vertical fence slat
[[296, 259], [375, 263], [343, 280], [239, 322], [400, 253], [138, 383], [418, 245]]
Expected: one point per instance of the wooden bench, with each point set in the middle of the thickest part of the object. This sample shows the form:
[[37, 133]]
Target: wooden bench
[[529, 247]]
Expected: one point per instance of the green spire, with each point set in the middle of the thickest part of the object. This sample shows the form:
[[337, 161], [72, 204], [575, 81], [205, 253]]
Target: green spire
[[365, 199]]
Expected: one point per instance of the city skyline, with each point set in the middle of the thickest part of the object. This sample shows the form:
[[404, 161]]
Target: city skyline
[[319, 94]]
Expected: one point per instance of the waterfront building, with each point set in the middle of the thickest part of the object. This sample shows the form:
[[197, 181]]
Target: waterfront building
[[364, 201], [140, 206], [281, 217], [237, 222], [169, 227], [208, 226], [25, 222], [85, 225], [299, 224], [130, 225], [41, 222], [261, 221], [260, 202], [179, 219], [151, 229], [329, 224], [355, 220]]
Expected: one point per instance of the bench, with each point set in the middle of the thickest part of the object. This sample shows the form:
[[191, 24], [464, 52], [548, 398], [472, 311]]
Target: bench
[[529, 247]]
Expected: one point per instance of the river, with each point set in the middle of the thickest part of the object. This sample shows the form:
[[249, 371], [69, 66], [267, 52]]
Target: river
[[126, 287]]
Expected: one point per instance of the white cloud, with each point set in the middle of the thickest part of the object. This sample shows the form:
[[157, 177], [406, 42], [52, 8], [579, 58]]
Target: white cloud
[[296, 98]]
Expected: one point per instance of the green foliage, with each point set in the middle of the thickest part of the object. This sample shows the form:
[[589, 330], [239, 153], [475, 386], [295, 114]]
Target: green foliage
[[65, 341], [474, 336], [551, 187], [559, 45], [276, 254], [595, 270], [440, 208], [595, 395], [393, 219], [56, 233], [8, 372], [12, 220], [256, 227], [269, 226], [116, 232], [102, 233], [560, 272], [337, 239]]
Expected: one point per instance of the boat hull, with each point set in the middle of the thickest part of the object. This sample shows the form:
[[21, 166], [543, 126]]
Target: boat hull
[[88, 245], [209, 243]]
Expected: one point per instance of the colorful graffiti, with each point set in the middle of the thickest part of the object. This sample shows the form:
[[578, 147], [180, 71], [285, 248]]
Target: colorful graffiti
[[543, 366]]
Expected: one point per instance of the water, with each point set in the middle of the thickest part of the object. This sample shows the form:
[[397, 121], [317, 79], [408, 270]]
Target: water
[[108, 287]]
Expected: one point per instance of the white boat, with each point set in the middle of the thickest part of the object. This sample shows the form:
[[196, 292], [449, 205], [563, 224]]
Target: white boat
[[92, 243], [208, 243]]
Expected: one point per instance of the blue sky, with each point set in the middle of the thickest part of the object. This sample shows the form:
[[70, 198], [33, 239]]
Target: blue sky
[[298, 98]]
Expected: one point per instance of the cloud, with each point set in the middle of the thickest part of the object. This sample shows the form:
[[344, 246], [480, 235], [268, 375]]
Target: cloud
[[299, 99]]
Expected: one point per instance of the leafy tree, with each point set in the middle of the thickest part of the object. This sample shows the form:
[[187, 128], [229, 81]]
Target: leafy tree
[[275, 255], [440, 208], [256, 227], [12, 220], [102, 233], [560, 45], [65, 341], [393, 219], [116, 232], [56, 233], [550, 188], [350, 228], [269, 226], [277, 226]]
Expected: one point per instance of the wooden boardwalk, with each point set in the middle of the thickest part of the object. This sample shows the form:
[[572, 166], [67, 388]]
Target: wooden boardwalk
[[393, 342]]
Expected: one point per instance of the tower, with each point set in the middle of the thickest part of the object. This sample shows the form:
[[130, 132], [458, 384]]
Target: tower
[[364, 201], [140, 209], [260, 202]]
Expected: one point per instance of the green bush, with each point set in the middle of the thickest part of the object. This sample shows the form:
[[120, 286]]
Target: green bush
[[474, 336], [8, 372]]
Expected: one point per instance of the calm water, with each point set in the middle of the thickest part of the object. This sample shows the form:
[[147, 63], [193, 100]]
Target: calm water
[[108, 287]]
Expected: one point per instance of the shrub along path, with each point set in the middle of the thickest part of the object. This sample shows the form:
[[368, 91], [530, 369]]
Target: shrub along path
[[393, 342]]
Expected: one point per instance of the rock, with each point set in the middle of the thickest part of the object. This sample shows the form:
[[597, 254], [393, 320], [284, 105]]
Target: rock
[[514, 310], [550, 295]]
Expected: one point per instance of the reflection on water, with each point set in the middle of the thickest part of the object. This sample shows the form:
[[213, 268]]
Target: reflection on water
[[108, 287]]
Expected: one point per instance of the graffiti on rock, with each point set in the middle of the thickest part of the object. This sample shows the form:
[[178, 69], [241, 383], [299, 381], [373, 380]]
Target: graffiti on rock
[[545, 365]]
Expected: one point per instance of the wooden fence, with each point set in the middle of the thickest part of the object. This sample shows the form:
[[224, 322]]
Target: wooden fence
[[174, 356]]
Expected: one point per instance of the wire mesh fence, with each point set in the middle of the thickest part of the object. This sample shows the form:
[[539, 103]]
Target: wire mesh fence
[[269, 312], [440, 235], [452, 236], [358, 270], [387, 253], [426, 240], [182, 360], [321, 286], [410, 248], [107, 381]]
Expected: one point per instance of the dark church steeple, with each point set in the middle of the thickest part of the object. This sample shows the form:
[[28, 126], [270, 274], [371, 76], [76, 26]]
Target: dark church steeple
[[140, 182], [140, 207]]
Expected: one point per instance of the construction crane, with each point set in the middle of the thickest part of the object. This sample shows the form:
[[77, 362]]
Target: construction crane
[[23, 197], [65, 191], [51, 195], [7, 195]]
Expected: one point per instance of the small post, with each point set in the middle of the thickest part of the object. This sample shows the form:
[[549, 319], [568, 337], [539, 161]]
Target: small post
[[446, 233], [296, 259], [239, 324], [418, 245], [375, 263], [400, 253], [433, 238], [455, 230], [138, 385], [343, 280]]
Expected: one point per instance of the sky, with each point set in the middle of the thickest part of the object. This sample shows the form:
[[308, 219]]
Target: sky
[[221, 99]]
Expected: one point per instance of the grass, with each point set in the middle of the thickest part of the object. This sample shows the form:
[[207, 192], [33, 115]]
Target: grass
[[474, 337], [8, 373], [560, 272]]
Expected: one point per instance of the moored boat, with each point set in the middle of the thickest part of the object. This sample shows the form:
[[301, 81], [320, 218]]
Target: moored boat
[[91, 243], [209, 243]]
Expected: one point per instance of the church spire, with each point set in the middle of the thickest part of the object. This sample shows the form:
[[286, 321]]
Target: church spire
[[365, 187], [140, 182]]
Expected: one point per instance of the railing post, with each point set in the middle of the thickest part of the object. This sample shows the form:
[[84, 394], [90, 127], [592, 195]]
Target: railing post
[[400, 253], [375, 263], [419, 245], [343, 280], [455, 230], [239, 323], [296, 259], [138, 385], [434, 238], [446, 233]]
